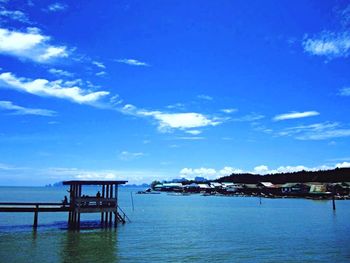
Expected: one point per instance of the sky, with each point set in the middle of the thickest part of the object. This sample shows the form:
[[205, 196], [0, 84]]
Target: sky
[[144, 90]]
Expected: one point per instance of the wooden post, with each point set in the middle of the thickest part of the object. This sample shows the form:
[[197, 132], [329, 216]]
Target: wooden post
[[106, 213], [79, 196], [333, 197], [110, 196], [70, 206], [35, 224], [116, 205], [103, 196], [132, 201]]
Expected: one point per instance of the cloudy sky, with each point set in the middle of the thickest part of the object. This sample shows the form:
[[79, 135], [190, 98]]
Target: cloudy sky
[[143, 90]]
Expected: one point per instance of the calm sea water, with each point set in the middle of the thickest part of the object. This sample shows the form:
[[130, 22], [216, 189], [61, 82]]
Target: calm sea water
[[194, 228]]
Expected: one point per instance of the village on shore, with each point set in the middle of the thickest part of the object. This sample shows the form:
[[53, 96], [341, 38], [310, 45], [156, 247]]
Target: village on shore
[[313, 185]]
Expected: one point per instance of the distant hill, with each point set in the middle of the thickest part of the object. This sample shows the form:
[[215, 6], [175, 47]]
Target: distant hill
[[324, 176]]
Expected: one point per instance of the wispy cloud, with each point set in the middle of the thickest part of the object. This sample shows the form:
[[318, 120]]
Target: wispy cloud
[[190, 138], [128, 156], [194, 132], [252, 117], [14, 15], [101, 73], [19, 110], [328, 44], [204, 97], [30, 45], [179, 106], [331, 44], [99, 64], [56, 7], [132, 62], [317, 131], [229, 110], [344, 91], [295, 115], [45, 88], [60, 72]]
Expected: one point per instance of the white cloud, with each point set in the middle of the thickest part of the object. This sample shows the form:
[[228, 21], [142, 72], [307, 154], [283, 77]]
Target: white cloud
[[194, 132], [60, 72], [169, 121], [261, 169], [8, 105], [45, 88], [14, 15], [211, 173], [189, 120], [99, 64], [227, 170], [204, 97], [343, 165], [328, 44], [132, 62], [190, 173], [317, 131], [55, 7], [128, 156], [53, 52], [229, 110], [29, 45], [101, 73], [344, 91], [295, 115]]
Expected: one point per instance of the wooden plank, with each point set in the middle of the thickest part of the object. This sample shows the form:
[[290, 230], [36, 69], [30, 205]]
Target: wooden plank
[[30, 203]]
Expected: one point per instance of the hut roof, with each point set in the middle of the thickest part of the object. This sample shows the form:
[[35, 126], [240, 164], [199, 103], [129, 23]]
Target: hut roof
[[82, 182]]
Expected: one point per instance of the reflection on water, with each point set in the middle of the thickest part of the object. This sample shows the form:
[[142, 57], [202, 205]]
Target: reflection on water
[[89, 246]]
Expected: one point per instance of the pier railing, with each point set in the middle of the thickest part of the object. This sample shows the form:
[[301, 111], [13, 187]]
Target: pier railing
[[33, 208]]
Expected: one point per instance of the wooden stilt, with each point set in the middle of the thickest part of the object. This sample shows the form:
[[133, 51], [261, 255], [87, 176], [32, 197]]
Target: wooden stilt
[[116, 205], [106, 213], [110, 196], [103, 196]]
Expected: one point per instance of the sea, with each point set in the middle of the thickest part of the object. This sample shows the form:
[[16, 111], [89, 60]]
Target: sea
[[176, 228]]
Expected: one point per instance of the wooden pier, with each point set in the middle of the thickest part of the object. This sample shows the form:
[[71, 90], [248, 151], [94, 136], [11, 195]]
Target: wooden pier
[[105, 203]]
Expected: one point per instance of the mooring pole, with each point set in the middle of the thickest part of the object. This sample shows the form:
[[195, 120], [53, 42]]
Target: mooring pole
[[35, 224], [333, 198], [132, 201]]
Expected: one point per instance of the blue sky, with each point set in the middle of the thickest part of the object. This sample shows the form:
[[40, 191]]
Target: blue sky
[[143, 90]]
